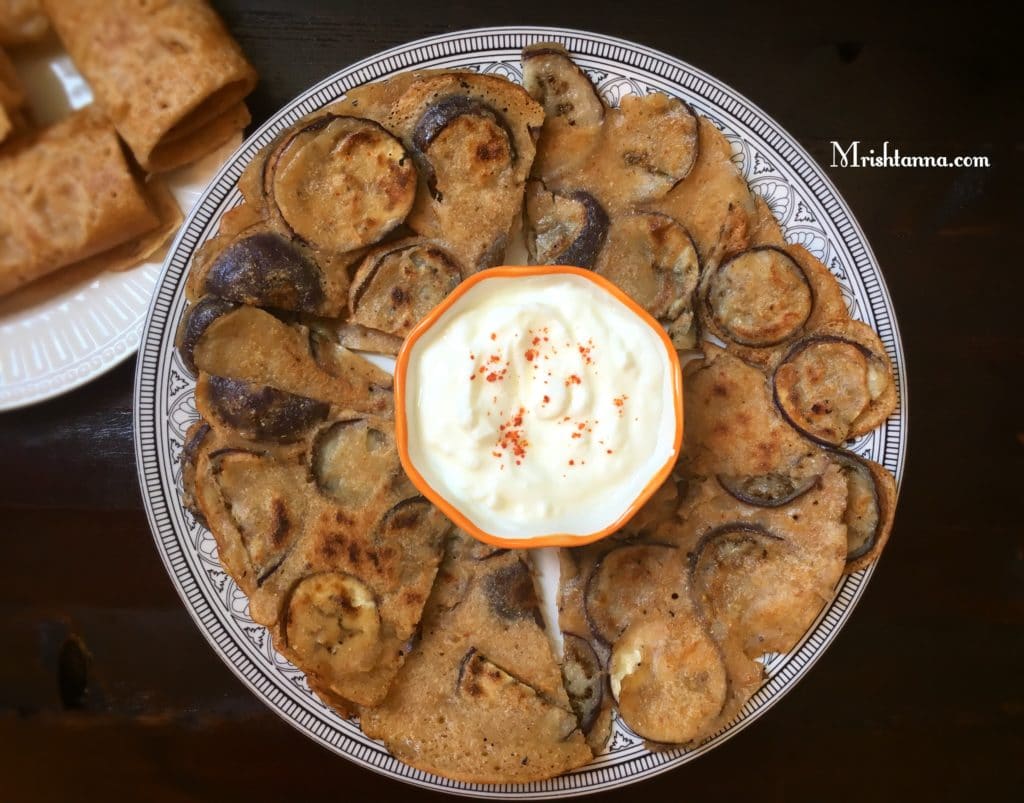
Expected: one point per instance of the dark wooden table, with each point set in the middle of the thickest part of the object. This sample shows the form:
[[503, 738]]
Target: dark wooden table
[[109, 692]]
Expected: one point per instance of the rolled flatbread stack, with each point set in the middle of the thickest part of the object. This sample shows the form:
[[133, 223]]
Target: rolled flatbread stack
[[12, 99], [21, 21], [168, 74], [69, 194]]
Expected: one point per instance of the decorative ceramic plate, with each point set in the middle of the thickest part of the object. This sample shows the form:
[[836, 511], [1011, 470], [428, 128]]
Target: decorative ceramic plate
[[802, 198], [73, 325]]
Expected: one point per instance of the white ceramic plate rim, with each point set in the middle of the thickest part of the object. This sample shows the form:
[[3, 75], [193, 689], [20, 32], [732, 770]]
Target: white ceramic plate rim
[[156, 370]]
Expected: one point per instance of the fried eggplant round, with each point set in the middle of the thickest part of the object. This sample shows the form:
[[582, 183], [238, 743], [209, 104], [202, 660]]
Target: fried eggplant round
[[351, 459], [669, 680], [266, 270], [470, 120], [260, 412], [744, 580], [651, 145], [871, 497], [652, 258], [584, 679], [768, 490], [564, 229], [835, 384], [632, 581], [341, 183], [195, 322], [562, 88], [759, 298], [398, 284], [333, 624]]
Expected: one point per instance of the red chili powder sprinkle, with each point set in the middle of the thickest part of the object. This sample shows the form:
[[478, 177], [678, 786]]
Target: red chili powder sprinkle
[[531, 355], [494, 335], [511, 437], [547, 399], [572, 462], [577, 435], [573, 380]]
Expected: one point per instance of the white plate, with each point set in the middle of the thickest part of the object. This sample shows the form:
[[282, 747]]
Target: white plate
[[802, 197], [68, 328]]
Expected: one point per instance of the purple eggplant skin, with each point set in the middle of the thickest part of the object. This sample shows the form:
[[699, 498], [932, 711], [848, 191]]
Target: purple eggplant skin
[[438, 116], [195, 322], [735, 487], [852, 462], [265, 270], [262, 413], [586, 703], [746, 532], [189, 456], [584, 249]]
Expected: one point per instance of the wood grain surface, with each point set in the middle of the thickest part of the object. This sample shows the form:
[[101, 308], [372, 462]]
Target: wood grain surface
[[109, 692]]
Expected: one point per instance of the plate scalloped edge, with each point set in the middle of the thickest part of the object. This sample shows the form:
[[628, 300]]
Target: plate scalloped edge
[[778, 168]]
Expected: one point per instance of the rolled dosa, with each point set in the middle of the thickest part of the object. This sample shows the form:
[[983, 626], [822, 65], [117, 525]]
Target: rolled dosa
[[12, 98], [21, 21], [69, 193], [168, 73]]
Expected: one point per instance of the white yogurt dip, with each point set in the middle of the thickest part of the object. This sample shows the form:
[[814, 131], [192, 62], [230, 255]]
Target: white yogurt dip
[[540, 405]]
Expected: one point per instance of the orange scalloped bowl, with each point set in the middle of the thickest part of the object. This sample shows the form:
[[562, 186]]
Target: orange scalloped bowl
[[450, 506]]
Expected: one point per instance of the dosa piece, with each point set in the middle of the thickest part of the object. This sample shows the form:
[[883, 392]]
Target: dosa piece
[[472, 139], [21, 21], [480, 697], [69, 195], [169, 74], [338, 563]]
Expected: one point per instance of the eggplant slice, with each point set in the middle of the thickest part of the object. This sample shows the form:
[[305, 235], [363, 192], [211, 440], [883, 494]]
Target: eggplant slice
[[871, 498], [352, 459], [563, 89], [630, 582], [194, 438], [195, 322], [333, 624], [400, 283], [264, 269], [669, 680], [340, 183], [651, 257], [768, 490], [835, 384], [759, 298], [584, 677], [258, 412], [565, 229]]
